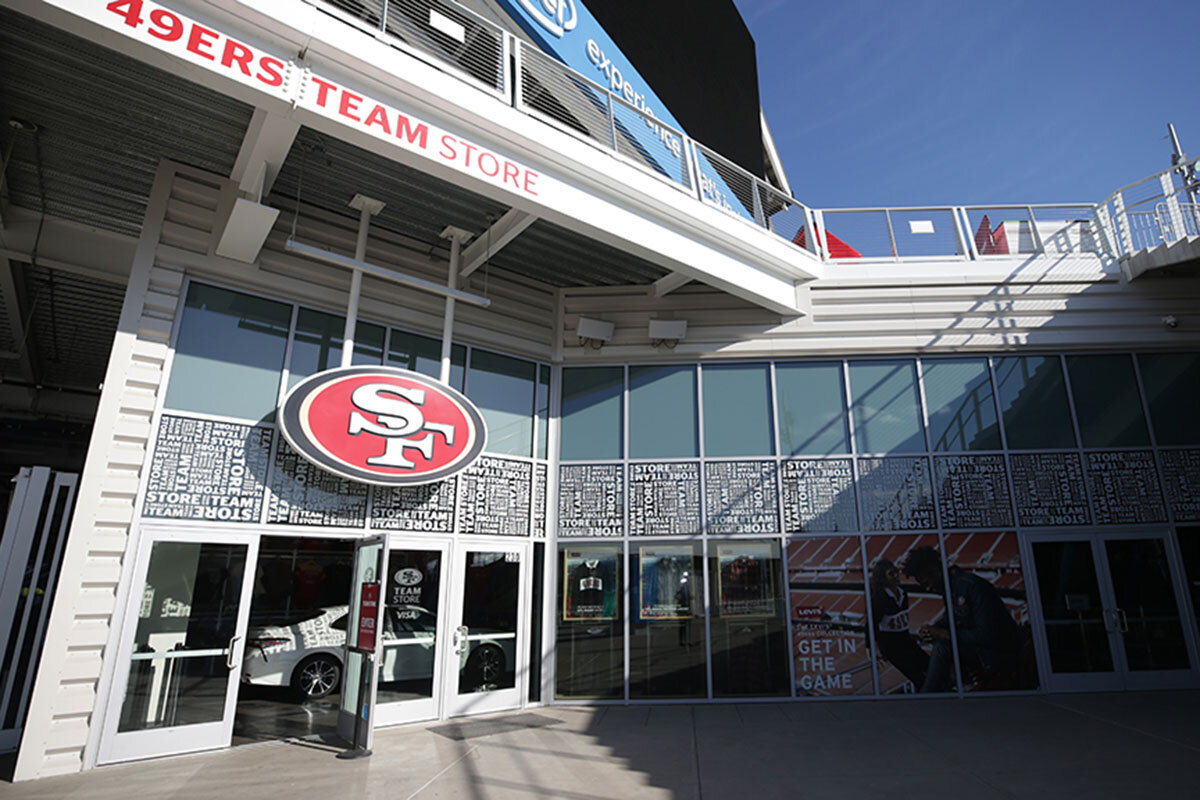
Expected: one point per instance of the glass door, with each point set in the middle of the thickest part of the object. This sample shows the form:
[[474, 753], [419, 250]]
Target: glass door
[[370, 565], [180, 653], [1110, 611], [413, 600], [486, 667]]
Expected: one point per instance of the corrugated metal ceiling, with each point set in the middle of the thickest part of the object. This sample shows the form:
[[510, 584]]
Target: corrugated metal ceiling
[[420, 206], [104, 120], [100, 141]]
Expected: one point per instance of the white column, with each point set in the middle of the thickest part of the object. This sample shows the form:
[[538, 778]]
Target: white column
[[456, 236], [367, 208]]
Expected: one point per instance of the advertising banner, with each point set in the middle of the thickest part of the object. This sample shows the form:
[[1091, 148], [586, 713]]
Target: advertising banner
[[368, 618], [590, 578], [911, 633], [827, 596], [665, 581], [991, 615], [745, 580]]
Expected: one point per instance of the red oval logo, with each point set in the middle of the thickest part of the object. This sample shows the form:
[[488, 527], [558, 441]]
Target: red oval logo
[[382, 425]]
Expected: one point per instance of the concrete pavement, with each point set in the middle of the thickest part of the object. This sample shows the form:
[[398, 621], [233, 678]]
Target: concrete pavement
[[1132, 745]]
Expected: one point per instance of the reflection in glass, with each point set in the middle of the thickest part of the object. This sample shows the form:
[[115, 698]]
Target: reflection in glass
[[1071, 607], [487, 648], [590, 646], [662, 412], [422, 354], [886, 407], [962, 412], [666, 630], [1172, 384], [228, 354], [1107, 403], [829, 617], [1189, 548], [991, 616], [543, 410], [317, 344], [1147, 609], [737, 411], [410, 615], [812, 409], [911, 630], [189, 609], [502, 387], [592, 411], [749, 631], [1033, 401]]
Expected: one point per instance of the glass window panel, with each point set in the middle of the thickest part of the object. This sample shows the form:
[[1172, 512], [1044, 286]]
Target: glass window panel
[[1107, 403], [543, 410], [1033, 400], [737, 411], [908, 608], [410, 620], [592, 411], [962, 411], [749, 631], [662, 412], [422, 354], [887, 407], [1072, 610], [502, 388], [1145, 595], [489, 609], [829, 617], [229, 354], [190, 601], [666, 629], [1172, 384], [591, 644], [812, 409], [317, 344]]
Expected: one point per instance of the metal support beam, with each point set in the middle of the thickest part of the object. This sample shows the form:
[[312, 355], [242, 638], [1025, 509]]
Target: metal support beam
[[367, 208], [345, 262], [265, 146], [456, 236], [669, 283], [491, 241]]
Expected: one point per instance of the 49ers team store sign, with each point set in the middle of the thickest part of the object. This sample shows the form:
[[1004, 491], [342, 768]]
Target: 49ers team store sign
[[382, 425]]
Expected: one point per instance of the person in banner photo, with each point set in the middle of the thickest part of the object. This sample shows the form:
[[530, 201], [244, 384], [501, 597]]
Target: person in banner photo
[[746, 584], [591, 581], [889, 606], [990, 641]]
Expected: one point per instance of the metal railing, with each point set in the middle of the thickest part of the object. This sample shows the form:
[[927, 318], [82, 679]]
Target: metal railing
[[1157, 210], [933, 233], [1141, 215]]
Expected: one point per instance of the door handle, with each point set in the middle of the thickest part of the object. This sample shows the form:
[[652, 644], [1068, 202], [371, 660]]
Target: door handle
[[460, 639], [1124, 620], [229, 656]]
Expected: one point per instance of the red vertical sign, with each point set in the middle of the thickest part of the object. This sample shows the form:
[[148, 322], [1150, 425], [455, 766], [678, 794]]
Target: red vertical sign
[[368, 617]]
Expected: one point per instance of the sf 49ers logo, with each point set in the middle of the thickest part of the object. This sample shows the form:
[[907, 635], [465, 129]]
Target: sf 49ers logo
[[382, 425]]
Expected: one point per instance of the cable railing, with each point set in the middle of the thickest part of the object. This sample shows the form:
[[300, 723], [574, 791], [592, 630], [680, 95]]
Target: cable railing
[[1158, 210]]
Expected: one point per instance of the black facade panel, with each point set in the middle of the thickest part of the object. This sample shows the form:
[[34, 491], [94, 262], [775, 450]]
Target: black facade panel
[[699, 58]]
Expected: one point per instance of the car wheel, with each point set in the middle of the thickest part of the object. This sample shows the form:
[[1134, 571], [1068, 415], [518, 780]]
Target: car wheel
[[486, 665], [317, 676]]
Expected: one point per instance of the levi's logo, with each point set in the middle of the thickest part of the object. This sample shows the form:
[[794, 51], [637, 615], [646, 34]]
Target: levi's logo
[[382, 425]]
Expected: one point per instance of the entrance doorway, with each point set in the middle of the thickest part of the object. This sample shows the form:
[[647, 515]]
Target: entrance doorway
[[1111, 612], [239, 637]]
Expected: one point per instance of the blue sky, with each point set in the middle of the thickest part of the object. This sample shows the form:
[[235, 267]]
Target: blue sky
[[877, 102]]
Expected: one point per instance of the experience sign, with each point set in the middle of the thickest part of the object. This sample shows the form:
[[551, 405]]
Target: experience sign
[[368, 618], [382, 425]]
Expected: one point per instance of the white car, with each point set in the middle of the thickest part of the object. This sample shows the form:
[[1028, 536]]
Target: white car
[[306, 652]]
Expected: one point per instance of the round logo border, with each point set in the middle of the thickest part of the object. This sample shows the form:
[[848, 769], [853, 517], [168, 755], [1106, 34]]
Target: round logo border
[[290, 425]]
